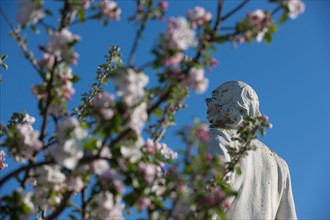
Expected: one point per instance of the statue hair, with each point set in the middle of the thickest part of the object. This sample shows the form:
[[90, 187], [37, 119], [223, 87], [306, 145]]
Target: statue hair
[[230, 102]]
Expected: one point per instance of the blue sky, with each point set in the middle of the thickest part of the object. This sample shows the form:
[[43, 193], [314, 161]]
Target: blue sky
[[290, 76]]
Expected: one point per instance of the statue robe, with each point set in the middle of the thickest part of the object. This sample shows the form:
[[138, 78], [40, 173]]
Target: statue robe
[[264, 187]]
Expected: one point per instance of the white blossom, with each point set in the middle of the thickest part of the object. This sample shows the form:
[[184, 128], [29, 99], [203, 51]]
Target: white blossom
[[197, 81], [70, 128], [198, 16], [167, 152], [29, 13], [138, 117], [296, 7], [59, 41], [3, 165], [74, 184], [133, 154], [28, 142], [149, 170], [110, 9], [67, 154], [130, 86], [68, 150], [103, 104], [178, 35], [108, 207], [49, 177]]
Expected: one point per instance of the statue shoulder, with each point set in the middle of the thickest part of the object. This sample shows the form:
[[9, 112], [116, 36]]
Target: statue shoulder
[[282, 164]]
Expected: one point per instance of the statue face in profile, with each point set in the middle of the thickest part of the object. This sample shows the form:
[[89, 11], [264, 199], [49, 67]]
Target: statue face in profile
[[230, 102]]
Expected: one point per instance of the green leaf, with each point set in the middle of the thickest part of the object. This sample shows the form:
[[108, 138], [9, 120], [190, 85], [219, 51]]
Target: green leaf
[[75, 78], [4, 65], [158, 112], [92, 144], [3, 56], [268, 38], [283, 18], [273, 28]]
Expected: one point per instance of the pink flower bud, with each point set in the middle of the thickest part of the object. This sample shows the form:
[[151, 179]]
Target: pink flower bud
[[264, 118], [163, 5]]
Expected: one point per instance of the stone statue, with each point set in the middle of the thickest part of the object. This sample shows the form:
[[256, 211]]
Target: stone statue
[[264, 187]]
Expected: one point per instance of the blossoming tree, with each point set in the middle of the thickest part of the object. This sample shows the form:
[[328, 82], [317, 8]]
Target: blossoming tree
[[106, 156]]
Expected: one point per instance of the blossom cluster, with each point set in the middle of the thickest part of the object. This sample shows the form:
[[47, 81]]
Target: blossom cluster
[[30, 12], [3, 165], [144, 10], [68, 149], [60, 46], [294, 7], [199, 16], [110, 9], [108, 206], [26, 140], [105, 155], [130, 87]]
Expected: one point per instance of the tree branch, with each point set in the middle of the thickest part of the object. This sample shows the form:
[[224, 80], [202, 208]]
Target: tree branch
[[23, 168], [136, 41], [229, 14], [61, 207], [26, 52]]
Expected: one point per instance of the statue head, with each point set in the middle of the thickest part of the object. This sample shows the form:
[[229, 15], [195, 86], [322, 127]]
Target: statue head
[[230, 102]]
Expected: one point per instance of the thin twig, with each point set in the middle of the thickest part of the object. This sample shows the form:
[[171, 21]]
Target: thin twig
[[215, 29], [229, 14], [26, 52], [136, 41]]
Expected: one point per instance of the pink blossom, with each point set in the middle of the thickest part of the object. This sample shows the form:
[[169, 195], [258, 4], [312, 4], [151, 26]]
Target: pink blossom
[[203, 133], [103, 104], [74, 184], [130, 86], [28, 142], [143, 203], [150, 146], [198, 16], [209, 156], [115, 178], [68, 150], [108, 207], [257, 18], [138, 117], [110, 9], [29, 13], [214, 62], [167, 152], [214, 197], [3, 165], [174, 60], [163, 5], [86, 3], [149, 171], [270, 125], [68, 90], [264, 118], [59, 43], [29, 119], [178, 35], [196, 80], [296, 7], [47, 61]]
